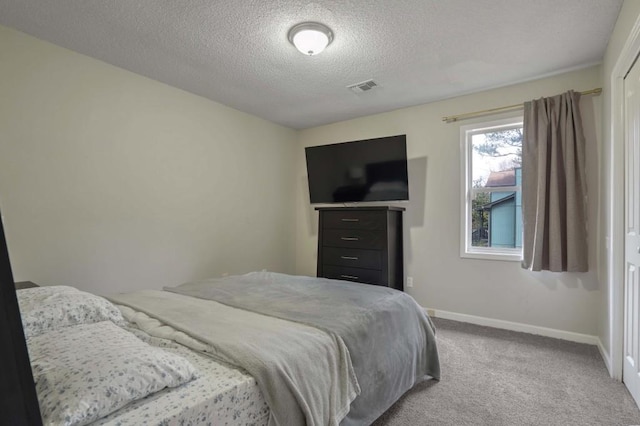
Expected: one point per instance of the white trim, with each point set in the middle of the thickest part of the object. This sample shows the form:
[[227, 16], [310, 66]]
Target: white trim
[[464, 183], [492, 255], [513, 121], [515, 326], [515, 188], [627, 57], [605, 356]]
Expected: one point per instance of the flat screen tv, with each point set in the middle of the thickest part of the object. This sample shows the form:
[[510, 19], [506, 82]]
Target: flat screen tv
[[359, 171]]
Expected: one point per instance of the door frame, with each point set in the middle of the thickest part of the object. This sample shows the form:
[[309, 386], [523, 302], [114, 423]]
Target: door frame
[[616, 210]]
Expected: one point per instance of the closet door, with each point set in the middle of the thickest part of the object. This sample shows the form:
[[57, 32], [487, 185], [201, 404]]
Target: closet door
[[631, 362]]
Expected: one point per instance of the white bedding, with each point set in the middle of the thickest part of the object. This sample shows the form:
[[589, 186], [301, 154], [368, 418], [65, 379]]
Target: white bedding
[[45, 309], [221, 395], [74, 389], [89, 361], [226, 395], [304, 373]]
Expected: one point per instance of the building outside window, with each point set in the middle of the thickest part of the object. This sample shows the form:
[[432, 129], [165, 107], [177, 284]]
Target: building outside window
[[491, 225]]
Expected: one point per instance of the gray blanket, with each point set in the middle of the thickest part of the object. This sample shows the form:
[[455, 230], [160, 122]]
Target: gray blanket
[[305, 374], [390, 338]]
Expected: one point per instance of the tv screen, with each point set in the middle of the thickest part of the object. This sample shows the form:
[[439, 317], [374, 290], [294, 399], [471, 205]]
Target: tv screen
[[366, 170]]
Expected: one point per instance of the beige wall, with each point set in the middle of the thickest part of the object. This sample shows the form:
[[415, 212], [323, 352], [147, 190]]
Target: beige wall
[[628, 16], [112, 181], [442, 280]]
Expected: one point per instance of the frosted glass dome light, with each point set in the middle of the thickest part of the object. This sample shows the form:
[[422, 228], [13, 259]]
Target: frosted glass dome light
[[310, 38]]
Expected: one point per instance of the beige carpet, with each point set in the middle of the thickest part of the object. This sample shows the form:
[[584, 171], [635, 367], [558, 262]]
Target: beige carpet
[[498, 377]]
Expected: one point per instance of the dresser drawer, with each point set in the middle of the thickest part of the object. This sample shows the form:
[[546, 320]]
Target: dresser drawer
[[357, 258], [369, 276], [371, 220], [354, 238]]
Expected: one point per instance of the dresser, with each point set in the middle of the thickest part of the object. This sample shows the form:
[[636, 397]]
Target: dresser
[[362, 244]]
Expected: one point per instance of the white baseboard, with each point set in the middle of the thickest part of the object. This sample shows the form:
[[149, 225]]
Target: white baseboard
[[524, 328], [605, 357]]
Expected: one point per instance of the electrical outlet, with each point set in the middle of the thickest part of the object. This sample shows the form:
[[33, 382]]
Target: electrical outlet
[[410, 282]]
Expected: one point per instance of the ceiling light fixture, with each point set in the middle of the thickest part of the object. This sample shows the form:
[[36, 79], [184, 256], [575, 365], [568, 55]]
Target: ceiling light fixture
[[310, 38]]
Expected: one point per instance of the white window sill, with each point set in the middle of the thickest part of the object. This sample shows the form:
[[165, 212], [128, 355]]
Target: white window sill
[[509, 256]]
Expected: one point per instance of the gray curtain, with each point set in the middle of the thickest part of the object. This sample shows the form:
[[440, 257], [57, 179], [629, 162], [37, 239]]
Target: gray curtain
[[554, 185]]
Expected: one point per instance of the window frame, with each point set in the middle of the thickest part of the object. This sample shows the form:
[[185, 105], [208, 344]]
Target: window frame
[[466, 134]]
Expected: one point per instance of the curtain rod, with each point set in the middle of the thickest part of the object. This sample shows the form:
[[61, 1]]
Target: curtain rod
[[453, 118]]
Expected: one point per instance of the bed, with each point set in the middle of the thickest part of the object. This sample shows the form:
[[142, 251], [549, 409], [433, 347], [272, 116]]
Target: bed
[[261, 348]]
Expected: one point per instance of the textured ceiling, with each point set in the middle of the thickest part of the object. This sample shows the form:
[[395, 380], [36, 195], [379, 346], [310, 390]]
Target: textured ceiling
[[237, 52]]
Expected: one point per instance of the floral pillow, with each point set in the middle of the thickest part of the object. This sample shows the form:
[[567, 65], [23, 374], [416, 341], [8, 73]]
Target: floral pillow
[[49, 308], [84, 372]]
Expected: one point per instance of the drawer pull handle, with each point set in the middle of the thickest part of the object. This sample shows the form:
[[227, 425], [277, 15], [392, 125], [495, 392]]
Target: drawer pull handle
[[353, 277], [350, 220], [349, 238], [349, 257]]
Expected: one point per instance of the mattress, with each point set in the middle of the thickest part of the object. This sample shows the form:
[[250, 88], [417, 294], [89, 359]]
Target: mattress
[[221, 395]]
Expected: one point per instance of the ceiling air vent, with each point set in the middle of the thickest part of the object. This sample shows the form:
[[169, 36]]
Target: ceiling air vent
[[364, 86]]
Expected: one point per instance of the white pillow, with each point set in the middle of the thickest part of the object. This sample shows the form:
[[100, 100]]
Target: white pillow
[[84, 372], [49, 308]]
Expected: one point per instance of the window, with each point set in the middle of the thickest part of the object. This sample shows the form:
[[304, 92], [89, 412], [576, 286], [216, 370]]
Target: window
[[491, 190]]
